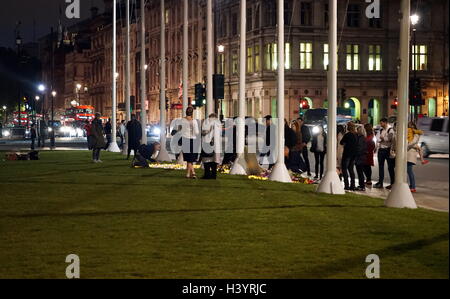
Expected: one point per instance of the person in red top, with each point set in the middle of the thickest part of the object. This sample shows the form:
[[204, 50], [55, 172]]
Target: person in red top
[[88, 128], [370, 152]]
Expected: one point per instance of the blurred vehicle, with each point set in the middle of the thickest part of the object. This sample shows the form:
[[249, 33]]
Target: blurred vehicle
[[153, 131], [435, 135], [315, 117]]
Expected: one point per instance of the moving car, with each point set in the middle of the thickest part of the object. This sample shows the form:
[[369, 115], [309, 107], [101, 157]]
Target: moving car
[[435, 135]]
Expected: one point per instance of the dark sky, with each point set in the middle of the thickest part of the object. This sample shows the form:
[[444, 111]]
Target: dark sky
[[45, 14]]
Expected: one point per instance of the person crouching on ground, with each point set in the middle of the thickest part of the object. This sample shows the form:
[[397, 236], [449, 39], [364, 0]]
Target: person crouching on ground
[[97, 139], [211, 133]]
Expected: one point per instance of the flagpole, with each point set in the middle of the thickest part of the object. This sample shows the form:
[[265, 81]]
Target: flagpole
[[185, 57], [113, 147], [163, 155], [143, 78], [127, 79]]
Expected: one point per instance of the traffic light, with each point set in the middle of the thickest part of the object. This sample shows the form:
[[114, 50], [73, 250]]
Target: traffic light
[[415, 92], [304, 104], [132, 103], [167, 103], [394, 104], [199, 95], [218, 87]]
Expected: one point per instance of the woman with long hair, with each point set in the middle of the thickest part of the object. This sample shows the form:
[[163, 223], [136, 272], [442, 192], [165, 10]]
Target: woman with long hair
[[370, 144]]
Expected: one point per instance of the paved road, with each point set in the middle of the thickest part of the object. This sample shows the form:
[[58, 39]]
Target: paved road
[[432, 179]]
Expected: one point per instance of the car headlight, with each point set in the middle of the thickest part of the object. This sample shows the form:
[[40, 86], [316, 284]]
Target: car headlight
[[315, 130], [156, 131], [6, 133], [50, 129]]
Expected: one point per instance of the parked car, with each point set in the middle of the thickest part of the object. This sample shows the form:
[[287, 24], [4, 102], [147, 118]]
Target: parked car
[[435, 137]]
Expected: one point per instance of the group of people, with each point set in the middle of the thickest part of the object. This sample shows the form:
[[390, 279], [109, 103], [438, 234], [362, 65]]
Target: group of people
[[99, 136], [357, 145]]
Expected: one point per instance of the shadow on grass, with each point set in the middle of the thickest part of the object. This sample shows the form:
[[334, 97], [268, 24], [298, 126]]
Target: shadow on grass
[[342, 265], [144, 212]]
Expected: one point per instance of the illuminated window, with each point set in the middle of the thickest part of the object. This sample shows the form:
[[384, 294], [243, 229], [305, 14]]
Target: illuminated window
[[257, 59], [353, 57], [221, 63], [326, 56], [375, 60], [287, 56], [167, 16], [305, 56], [234, 63], [419, 58], [249, 60], [271, 56]]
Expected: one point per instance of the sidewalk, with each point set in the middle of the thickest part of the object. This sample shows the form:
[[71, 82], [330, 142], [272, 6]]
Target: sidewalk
[[438, 201]]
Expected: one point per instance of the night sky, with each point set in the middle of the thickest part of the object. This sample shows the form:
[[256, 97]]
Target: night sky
[[45, 13]]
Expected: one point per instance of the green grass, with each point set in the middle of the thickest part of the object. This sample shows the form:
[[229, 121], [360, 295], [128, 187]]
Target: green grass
[[145, 223]]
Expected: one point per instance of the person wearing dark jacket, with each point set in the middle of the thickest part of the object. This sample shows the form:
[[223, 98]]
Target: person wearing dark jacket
[[97, 139], [361, 157], [108, 133], [349, 141], [292, 160], [33, 135], [319, 148], [306, 137], [134, 129]]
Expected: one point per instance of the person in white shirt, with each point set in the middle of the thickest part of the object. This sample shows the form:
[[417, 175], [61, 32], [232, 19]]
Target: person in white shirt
[[319, 148], [122, 131], [385, 140], [189, 132], [211, 145]]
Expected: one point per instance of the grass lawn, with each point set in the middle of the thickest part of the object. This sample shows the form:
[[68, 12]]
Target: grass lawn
[[148, 223]]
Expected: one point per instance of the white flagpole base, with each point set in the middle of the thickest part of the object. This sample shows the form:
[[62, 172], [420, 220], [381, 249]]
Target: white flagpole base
[[331, 184], [280, 173], [113, 147], [239, 166], [400, 197], [163, 155]]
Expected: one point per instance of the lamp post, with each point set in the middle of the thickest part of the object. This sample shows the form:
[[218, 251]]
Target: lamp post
[[52, 133], [5, 113], [41, 89], [36, 99], [18, 43], [77, 89], [414, 20], [221, 50]]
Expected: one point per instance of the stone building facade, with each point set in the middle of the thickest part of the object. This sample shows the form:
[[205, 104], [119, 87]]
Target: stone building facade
[[367, 57]]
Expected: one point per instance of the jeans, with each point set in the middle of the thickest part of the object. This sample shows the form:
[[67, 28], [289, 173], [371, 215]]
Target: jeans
[[361, 179], [33, 143], [319, 157], [210, 170], [411, 177], [348, 164], [383, 156], [306, 159], [96, 154], [368, 172]]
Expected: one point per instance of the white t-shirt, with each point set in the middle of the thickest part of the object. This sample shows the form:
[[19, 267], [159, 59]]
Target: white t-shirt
[[189, 128]]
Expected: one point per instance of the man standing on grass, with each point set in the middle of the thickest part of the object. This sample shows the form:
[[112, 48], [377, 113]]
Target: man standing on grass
[[134, 129]]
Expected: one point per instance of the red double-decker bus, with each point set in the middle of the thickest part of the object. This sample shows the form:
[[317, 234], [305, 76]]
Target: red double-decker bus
[[77, 115]]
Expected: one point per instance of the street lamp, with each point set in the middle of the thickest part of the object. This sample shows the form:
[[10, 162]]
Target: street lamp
[[221, 48], [41, 88], [414, 21], [52, 133]]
